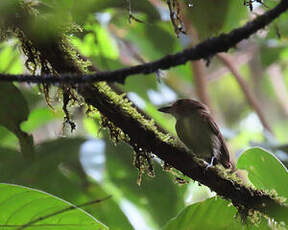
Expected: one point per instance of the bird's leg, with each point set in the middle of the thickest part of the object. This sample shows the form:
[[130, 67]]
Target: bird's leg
[[211, 163]]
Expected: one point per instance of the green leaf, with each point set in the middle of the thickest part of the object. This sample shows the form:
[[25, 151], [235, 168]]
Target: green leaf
[[140, 84], [107, 45], [265, 171], [208, 16], [211, 17], [40, 174], [13, 111], [57, 170], [13, 107], [236, 14], [92, 127], [98, 42], [21, 206], [158, 40], [214, 213], [10, 58], [39, 117]]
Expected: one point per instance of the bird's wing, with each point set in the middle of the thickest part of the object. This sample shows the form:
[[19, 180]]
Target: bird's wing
[[223, 154]]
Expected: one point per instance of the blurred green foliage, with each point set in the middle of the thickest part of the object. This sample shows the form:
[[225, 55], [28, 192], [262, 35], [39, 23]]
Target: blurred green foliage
[[120, 33]]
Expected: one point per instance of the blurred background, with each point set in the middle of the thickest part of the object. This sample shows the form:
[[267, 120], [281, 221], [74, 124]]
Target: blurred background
[[245, 89]]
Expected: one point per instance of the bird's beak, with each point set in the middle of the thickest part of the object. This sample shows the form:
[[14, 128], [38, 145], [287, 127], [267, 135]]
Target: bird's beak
[[166, 109]]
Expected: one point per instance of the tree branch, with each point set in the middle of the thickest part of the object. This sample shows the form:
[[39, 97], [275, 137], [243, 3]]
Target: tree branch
[[204, 50], [182, 160]]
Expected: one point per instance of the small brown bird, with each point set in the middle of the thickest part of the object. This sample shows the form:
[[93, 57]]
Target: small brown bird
[[198, 131]]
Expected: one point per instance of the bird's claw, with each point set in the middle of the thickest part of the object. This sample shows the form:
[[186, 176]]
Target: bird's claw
[[210, 164]]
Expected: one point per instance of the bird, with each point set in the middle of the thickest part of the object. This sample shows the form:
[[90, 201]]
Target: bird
[[199, 132]]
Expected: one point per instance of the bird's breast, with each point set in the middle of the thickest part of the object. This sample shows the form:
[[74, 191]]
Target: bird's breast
[[196, 135]]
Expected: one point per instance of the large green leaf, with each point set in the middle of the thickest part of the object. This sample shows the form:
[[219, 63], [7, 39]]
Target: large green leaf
[[33, 209], [57, 170], [214, 213], [265, 171]]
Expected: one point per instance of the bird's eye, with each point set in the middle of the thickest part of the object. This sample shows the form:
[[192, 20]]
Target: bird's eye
[[180, 102]]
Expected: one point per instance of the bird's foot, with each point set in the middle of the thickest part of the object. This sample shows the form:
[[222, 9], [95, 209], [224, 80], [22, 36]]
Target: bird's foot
[[211, 163]]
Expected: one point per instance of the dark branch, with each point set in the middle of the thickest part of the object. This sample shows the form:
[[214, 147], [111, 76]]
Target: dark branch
[[182, 160], [204, 50]]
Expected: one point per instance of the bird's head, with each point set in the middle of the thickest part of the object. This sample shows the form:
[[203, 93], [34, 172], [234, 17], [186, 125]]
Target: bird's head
[[183, 107]]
